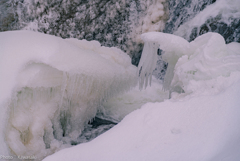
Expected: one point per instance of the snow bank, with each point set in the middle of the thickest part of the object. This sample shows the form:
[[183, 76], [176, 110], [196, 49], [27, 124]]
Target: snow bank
[[199, 122], [50, 88], [204, 128]]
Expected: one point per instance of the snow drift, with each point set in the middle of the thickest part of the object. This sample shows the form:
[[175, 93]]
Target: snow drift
[[203, 128], [50, 88]]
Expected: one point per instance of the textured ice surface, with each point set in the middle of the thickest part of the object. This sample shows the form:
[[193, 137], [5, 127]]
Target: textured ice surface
[[51, 87]]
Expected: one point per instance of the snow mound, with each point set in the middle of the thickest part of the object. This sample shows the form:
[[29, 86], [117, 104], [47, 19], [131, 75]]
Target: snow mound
[[51, 87]]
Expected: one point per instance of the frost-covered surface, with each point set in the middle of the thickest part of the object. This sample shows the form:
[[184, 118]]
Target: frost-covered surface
[[52, 87], [200, 122], [112, 23]]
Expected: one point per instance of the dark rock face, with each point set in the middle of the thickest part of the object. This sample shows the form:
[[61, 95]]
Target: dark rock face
[[231, 33], [91, 20], [7, 16], [180, 11]]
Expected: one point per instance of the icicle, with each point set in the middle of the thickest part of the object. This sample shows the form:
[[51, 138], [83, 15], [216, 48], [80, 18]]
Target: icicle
[[147, 63]]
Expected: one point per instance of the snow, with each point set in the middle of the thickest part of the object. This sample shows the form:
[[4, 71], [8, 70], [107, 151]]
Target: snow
[[51, 87], [199, 122], [205, 58], [116, 108], [200, 128]]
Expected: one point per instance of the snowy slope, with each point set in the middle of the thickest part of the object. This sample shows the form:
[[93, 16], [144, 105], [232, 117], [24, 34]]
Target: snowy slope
[[203, 128]]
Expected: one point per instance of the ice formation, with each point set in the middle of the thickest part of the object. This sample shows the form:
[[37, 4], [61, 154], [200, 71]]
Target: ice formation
[[198, 129], [205, 58], [116, 108], [50, 88], [199, 123], [173, 46]]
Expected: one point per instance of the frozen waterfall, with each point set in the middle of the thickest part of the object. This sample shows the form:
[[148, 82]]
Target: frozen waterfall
[[173, 48], [51, 88]]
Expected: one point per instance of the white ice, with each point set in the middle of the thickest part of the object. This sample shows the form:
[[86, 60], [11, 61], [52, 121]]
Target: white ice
[[51, 87], [173, 47], [200, 123]]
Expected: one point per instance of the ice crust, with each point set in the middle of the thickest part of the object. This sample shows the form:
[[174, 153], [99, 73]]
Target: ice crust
[[199, 123], [52, 87]]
